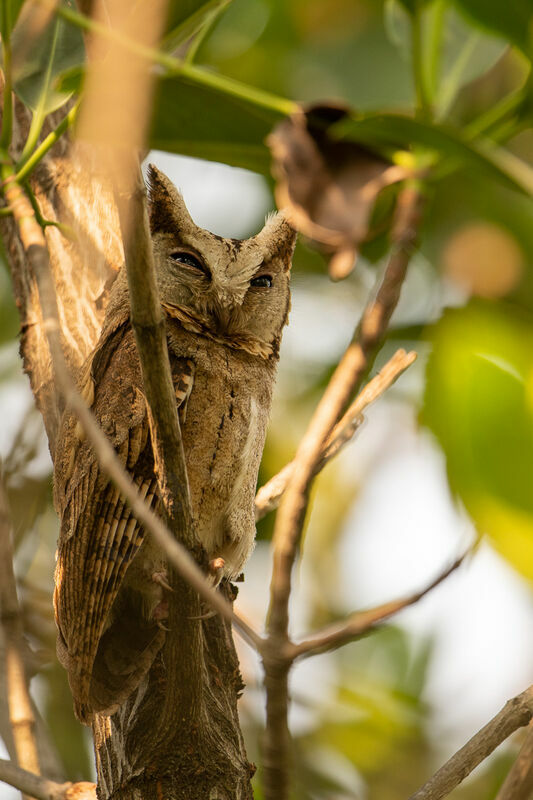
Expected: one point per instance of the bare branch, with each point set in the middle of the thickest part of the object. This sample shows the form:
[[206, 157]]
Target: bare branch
[[362, 622], [269, 495], [518, 784], [43, 789], [36, 252], [515, 714], [19, 703], [346, 379], [122, 107], [148, 323]]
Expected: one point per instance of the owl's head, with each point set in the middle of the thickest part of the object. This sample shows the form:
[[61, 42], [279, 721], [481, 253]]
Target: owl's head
[[233, 290]]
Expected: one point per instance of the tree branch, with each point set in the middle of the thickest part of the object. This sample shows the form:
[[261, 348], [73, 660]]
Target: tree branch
[[518, 784], [19, 703], [148, 323], [43, 789], [269, 495], [36, 253], [346, 379], [362, 622], [122, 106], [515, 714]]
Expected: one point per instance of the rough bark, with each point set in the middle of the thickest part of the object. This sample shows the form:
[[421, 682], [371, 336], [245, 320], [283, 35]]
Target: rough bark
[[178, 736]]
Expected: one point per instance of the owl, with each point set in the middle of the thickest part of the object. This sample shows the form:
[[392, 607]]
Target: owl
[[226, 302]]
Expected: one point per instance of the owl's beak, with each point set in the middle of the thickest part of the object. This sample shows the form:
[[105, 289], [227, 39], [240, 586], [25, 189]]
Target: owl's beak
[[225, 310], [223, 317]]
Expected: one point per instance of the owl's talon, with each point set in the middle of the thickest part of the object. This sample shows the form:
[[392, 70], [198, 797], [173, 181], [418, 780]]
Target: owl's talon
[[215, 570], [161, 579], [207, 615], [215, 565]]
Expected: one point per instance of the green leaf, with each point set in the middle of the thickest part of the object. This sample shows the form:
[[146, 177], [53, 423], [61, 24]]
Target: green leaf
[[210, 123], [463, 51], [512, 19], [398, 131], [9, 12], [37, 67], [479, 404], [186, 18]]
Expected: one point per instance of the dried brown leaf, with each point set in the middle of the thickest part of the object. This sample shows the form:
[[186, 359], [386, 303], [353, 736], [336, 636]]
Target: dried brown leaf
[[328, 188]]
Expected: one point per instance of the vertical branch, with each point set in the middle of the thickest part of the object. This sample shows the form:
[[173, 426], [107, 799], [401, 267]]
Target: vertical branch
[[18, 698], [116, 111], [346, 379], [149, 327]]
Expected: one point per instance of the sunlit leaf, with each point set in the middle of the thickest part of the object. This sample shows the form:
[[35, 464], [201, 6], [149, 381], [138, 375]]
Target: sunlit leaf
[[479, 404], [38, 62], [512, 20]]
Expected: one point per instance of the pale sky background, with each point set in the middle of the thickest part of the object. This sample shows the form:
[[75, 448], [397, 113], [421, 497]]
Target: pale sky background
[[403, 530]]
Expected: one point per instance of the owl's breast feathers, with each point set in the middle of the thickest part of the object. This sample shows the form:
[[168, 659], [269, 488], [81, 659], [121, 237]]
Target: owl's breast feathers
[[223, 397]]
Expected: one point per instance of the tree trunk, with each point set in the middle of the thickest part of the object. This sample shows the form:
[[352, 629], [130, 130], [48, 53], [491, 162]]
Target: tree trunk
[[178, 735]]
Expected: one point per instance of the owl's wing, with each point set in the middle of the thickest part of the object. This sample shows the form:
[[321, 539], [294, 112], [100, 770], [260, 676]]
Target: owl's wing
[[99, 536]]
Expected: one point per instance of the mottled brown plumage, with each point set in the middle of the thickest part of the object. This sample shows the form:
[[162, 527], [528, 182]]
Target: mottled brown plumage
[[226, 302]]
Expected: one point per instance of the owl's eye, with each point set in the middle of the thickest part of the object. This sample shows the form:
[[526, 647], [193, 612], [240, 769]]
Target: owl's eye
[[189, 260], [264, 281]]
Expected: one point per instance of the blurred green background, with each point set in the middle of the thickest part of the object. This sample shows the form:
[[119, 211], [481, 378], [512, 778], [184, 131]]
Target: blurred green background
[[448, 453]]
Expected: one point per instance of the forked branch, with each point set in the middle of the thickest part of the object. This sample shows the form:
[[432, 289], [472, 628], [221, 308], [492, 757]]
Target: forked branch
[[269, 495], [346, 380]]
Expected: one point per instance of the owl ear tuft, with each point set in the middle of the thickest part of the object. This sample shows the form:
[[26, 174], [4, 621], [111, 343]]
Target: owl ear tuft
[[167, 209], [279, 237]]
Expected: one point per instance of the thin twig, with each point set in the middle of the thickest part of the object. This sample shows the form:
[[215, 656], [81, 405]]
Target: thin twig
[[269, 495], [346, 380], [518, 784], [515, 714], [362, 622], [42, 788], [148, 323], [19, 703], [36, 252]]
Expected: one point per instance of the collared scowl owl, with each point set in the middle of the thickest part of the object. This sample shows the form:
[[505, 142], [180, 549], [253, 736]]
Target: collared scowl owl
[[226, 302]]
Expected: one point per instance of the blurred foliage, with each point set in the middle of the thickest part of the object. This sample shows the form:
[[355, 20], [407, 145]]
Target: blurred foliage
[[480, 380], [442, 85]]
